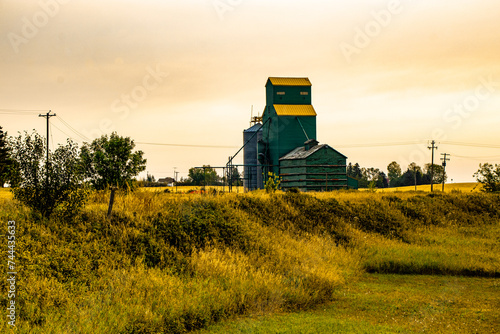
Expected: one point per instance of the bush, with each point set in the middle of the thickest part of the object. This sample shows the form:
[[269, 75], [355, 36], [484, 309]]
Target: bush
[[46, 185], [489, 176]]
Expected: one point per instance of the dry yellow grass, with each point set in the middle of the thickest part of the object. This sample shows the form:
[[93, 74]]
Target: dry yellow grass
[[463, 187], [5, 193], [185, 189]]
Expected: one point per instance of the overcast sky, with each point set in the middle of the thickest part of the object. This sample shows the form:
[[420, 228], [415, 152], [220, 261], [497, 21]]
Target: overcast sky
[[388, 76]]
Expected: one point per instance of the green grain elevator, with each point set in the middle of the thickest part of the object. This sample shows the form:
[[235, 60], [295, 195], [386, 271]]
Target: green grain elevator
[[289, 119], [289, 147]]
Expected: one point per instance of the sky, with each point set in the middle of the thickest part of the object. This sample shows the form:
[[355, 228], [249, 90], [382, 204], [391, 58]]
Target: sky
[[387, 76]]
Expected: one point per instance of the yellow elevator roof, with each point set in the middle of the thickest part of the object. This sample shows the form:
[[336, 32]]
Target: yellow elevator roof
[[290, 81], [294, 110]]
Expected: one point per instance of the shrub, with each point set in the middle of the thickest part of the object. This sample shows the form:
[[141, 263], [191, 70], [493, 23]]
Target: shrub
[[489, 176], [45, 185]]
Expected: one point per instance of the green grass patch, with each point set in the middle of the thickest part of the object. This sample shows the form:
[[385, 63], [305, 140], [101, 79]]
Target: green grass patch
[[390, 304]]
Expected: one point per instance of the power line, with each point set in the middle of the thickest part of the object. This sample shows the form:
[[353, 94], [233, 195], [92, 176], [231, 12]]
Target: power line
[[18, 113], [185, 145], [381, 144], [23, 110], [73, 129], [67, 135], [477, 158], [470, 144]]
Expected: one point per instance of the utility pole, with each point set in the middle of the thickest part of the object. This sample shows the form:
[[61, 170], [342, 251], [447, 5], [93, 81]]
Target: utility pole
[[47, 115], [444, 158], [415, 176], [433, 147], [175, 178]]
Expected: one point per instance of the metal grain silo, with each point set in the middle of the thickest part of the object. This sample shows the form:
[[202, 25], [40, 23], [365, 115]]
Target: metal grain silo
[[252, 172]]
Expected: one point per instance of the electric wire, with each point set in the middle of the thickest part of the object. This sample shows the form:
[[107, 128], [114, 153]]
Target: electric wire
[[18, 114], [69, 136], [23, 110], [51, 137], [185, 145], [476, 158], [79, 134], [380, 144], [470, 144]]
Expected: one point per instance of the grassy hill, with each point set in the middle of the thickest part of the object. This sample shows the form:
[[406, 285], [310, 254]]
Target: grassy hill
[[172, 263]]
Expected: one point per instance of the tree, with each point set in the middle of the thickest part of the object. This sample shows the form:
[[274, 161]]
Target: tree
[[6, 162], [438, 174], [111, 161], [46, 186], [414, 167], [381, 181], [203, 176], [369, 175], [150, 178], [489, 176], [413, 175], [273, 183], [393, 172], [354, 171], [234, 177]]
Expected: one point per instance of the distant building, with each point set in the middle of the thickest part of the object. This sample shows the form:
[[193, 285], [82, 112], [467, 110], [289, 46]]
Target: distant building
[[168, 181]]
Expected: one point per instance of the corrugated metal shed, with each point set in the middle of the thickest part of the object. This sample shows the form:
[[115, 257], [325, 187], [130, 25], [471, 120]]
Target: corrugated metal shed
[[289, 81], [313, 167], [294, 110]]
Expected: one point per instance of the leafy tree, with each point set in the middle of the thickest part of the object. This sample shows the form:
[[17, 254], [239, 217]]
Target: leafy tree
[[234, 177], [111, 161], [438, 174], [203, 176], [45, 186], [381, 181], [414, 167], [5, 160], [489, 176], [150, 178], [367, 176], [408, 178], [272, 183], [394, 172], [354, 171]]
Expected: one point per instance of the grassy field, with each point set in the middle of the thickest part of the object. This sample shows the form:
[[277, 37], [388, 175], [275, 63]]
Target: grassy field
[[380, 303], [449, 187], [286, 263], [463, 187]]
